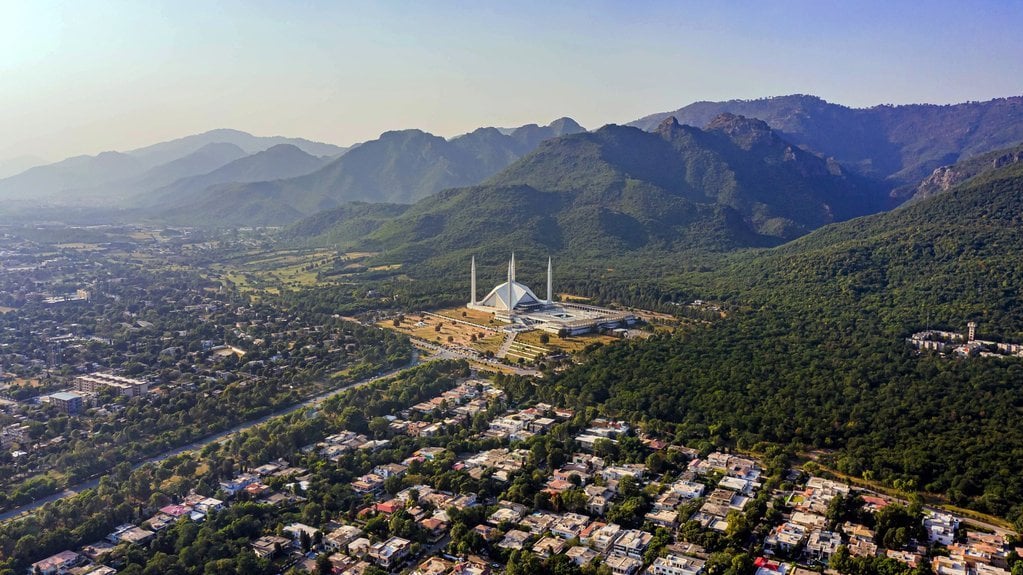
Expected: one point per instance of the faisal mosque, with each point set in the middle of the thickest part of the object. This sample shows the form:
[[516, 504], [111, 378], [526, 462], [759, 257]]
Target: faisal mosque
[[515, 303]]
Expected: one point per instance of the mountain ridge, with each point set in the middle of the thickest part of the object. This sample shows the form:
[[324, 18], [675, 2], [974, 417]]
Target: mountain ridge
[[103, 177], [277, 162], [401, 166], [621, 190], [901, 143]]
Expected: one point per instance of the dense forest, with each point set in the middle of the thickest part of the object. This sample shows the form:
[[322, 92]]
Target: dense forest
[[816, 356]]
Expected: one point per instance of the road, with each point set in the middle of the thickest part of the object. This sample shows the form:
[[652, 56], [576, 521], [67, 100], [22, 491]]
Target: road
[[441, 352], [217, 437]]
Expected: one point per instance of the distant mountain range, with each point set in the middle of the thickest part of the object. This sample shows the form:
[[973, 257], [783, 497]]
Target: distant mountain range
[[399, 167], [112, 176], [902, 144], [794, 163], [279, 162]]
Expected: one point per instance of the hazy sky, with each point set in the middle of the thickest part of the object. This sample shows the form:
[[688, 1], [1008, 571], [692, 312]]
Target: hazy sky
[[83, 76]]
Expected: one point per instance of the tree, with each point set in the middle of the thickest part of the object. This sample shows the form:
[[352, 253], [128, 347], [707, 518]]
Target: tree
[[323, 565], [379, 426]]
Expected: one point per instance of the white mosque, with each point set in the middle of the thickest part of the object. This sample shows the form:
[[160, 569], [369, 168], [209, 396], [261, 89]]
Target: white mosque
[[515, 303]]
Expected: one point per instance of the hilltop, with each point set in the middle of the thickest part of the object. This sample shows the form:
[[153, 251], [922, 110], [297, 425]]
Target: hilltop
[[621, 190], [902, 144]]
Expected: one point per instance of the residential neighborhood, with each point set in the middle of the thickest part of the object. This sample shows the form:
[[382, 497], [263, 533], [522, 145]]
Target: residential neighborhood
[[663, 509]]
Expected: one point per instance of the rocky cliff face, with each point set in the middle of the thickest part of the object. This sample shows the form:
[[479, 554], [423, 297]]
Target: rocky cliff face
[[945, 178]]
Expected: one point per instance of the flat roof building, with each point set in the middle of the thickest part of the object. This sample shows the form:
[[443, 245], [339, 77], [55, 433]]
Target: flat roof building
[[68, 402], [94, 382]]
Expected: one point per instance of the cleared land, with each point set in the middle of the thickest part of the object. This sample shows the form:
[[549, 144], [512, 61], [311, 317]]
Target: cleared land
[[571, 344], [573, 298], [450, 333]]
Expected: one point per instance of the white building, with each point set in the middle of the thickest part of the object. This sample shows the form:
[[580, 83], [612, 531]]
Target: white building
[[672, 564], [515, 303]]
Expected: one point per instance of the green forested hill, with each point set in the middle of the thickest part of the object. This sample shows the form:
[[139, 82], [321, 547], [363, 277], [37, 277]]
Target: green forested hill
[[819, 358], [623, 195]]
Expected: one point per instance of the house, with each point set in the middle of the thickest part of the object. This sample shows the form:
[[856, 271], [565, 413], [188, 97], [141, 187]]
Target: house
[[949, 566], [580, 470], [908, 557], [370, 483], [786, 537], [809, 520], [617, 472], [389, 507], [664, 518], [581, 555], [359, 547], [434, 566], [430, 453], [570, 525], [130, 534], [98, 551], [538, 522], [233, 486], [339, 538], [160, 521], [58, 563], [487, 532], [861, 540], [736, 484], [256, 490], [514, 539], [295, 531], [548, 546], [540, 425], [390, 470], [597, 504], [941, 528], [175, 511], [632, 543], [822, 545], [672, 564], [506, 515], [621, 565], [602, 539], [390, 553], [269, 546], [474, 565], [435, 528]]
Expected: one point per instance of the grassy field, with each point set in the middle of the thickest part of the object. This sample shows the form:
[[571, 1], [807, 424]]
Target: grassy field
[[472, 316], [450, 333], [573, 298], [571, 344], [273, 272]]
